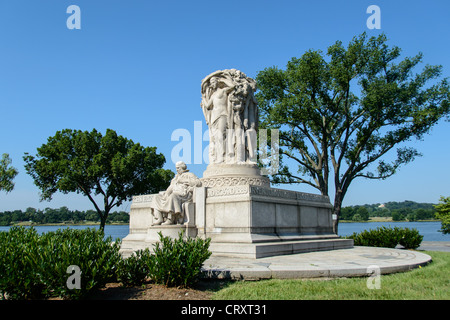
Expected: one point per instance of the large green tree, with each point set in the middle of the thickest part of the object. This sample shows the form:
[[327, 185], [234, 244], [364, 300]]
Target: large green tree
[[109, 166], [7, 173], [340, 112]]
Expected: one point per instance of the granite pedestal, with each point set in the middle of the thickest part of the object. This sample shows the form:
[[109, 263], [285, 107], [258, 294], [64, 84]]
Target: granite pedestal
[[245, 220]]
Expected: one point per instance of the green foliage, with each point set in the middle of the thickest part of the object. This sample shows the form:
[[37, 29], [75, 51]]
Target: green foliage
[[362, 214], [174, 262], [92, 164], [407, 205], [443, 214], [34, 266], [61, 215], [380, 237], [7, 173], [178, 262], [388, 237], [399, 211], [97, 258], [19, 256], [410, 238], [346, 109], [134, 270], [347, 213], [398, 215]]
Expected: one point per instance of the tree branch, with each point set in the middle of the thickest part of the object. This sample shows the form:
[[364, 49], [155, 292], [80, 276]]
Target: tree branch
[[300, 180], [90, 198], [312, 165]]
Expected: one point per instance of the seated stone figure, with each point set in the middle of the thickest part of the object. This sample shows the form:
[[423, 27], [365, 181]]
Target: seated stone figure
[[167, 207]]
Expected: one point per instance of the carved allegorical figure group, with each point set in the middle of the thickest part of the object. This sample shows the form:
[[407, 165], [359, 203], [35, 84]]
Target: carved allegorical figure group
[[231, 113]]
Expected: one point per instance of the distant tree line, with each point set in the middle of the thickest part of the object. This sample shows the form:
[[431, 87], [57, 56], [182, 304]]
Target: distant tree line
[[398, 211], [61, 215]]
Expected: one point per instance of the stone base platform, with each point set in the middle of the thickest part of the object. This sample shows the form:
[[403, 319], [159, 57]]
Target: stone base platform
[[255, 221], [248, 221], [353, 262], [282, 246], [138, 241], [276, 248]]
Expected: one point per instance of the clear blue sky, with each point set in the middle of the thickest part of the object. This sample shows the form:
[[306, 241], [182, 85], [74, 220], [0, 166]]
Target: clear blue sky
[[136, 67]]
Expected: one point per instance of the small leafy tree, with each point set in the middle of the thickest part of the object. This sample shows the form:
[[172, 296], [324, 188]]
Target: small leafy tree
[[7, 173], [443, 214], [363, 213], [109, 166]]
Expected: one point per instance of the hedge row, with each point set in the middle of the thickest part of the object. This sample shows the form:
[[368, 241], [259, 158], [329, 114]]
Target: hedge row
[[174, 262], [34, 266], [388, 238]]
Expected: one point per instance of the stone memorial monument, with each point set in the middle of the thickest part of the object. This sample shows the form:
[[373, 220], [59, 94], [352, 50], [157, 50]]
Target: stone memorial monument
[[233, 203]]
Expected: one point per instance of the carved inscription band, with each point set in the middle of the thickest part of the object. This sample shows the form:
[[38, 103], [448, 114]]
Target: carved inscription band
[[235, 181], [249, 189]]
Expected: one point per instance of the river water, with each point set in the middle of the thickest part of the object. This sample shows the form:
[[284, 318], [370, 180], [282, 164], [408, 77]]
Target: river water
[[429, 230]]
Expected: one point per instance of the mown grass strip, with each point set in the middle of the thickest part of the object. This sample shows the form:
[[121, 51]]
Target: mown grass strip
[[425, 283]]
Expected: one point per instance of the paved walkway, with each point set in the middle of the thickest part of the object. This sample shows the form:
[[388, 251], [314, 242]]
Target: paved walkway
[[435, 246], [334, 263]]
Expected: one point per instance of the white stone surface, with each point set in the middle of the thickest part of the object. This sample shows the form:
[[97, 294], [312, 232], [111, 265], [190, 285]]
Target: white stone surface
[[168, 207], [353, 262], [235, 206], [231, 113]]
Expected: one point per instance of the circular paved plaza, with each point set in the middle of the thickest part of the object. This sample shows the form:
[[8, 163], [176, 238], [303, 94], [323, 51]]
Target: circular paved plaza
[[358, 261]]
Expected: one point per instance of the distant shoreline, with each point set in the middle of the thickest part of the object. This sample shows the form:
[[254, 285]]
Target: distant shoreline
[[94, 223], [87, 223], [386, 219]]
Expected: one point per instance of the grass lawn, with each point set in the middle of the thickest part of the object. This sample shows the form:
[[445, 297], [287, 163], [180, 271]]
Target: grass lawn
[[429, 282]]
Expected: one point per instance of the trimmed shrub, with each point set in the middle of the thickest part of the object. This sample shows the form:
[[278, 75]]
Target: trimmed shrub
[[410, 238], [134, 270], [33, 266], [178, 262], [19, 255], [98, 259], [388, 237]]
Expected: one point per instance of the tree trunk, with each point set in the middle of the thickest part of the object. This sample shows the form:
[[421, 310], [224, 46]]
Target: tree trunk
[[103, 216], [337, 210]]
